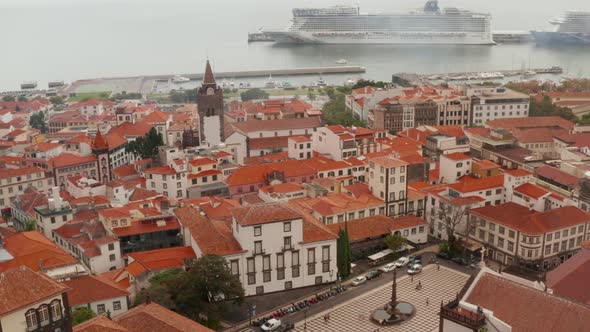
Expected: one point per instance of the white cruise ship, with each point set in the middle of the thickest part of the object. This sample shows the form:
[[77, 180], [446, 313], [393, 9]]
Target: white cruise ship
[[570, 28], [347, 25]]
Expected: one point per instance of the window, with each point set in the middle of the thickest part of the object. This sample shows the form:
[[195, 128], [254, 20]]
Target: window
[[371, 212], [280, 267], [235, 267], [491, 238], [488, 193], [565, 232], [257, 230], [326, 259], [44, 314], [510, 246], [117, 305], [100, 309], [402, 179], [258, 247], [492, 226], [179, 193], [112, 257], [251, 268], [501, 242], [549, 236], [287, 242], [287, 226], [55, 309], [421, 229], [31, 318], [557, 235], [361, 214], [511, 234], [311, 261], [501, 230], [115, 223], [260, 289], [318, 280], [266, 268], [288, 284], [481, 234], [547, 249], [111, 246]]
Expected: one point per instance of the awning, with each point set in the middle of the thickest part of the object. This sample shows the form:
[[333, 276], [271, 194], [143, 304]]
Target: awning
[[380, 255]]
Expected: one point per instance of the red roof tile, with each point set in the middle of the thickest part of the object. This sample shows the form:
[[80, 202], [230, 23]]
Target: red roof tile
[[528, 122], [457, 156], [212, 236], [527, 309], [167, 170], [155, 318], [99, 324], [31, 248], [281, 124], [376, 226], [263, 213], [531, 190], [470, 185], [558, 176], [143, 227], [88, 289], [518, 172], [268, 142], [202, 161], [12, 172], [154, 260], [21, 287], [69, 159], [532, 222]]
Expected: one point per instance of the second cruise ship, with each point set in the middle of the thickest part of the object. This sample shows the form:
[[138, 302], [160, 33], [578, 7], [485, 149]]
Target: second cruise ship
[[347, 25], [572, 28]]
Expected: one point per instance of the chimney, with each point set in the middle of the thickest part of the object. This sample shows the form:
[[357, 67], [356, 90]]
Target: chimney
[[148, 299]]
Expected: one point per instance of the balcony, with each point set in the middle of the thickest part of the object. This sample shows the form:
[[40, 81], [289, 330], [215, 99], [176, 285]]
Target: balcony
[[258, 252], [464, 317], [288, 247]]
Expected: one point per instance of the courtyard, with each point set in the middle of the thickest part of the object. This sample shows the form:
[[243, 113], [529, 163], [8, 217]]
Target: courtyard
[[354, 315]]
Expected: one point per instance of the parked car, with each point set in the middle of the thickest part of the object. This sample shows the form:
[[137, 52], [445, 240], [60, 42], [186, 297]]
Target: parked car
[[443, 255], [415, 269], [388, 267], [414, 258], [359, 280], [271, 325], [402, 261], [460, 260], [372, 274], [287, 326]]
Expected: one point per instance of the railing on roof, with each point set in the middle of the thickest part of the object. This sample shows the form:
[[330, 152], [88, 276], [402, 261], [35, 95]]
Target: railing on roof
[[453, 312]]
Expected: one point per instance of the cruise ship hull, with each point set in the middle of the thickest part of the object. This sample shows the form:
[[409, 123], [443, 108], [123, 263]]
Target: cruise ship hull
[[560, 38], [412, 38]]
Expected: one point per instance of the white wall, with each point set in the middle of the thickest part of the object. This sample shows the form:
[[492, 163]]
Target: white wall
[[108, 304]]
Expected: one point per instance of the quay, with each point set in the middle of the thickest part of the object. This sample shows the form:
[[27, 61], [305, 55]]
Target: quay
[[482, 75], [273, 72]]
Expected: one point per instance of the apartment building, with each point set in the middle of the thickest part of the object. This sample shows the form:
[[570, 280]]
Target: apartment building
[[170, 181], [514, 233], [269, 247], [387, 177], [15, 181], [490, 102], [400, 113]]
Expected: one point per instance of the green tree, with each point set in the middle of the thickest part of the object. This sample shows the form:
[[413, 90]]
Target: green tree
[[363, 83], [81, 315], [147, 146], [253, 94], [37, 121], [125, 96], [310, 95], [8, 98], [206, 289], [30, 225], [330, 92], [394, 242], [22, 98], [343, 254], [56, 100], [335, 112], [159, 289]]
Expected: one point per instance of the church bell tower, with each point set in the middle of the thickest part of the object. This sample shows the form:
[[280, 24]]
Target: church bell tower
[[210, 106]]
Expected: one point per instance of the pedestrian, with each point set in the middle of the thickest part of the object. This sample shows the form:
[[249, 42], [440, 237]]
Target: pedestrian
[[325, 318], [426, 301], [437, 267]]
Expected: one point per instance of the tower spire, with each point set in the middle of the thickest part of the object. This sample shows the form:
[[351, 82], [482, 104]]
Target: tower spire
[[208, 77]]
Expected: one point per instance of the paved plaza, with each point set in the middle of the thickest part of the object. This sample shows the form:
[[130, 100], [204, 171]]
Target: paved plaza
[[353, 316]]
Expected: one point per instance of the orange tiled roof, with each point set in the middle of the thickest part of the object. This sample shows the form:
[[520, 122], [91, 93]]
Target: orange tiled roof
[[531, 190], [69, 159], [88, 289], [532, 222], [472, 184], [212, 236], [527, 309], [457, 156], [263, 213], [161, 170], [202, 161], [139, 227], [153, 317], [214, 207], [154, 260], [518, 172], [20, 287], [125, 170], [31, 248], [375, 226], [99, 324], [12, 172]]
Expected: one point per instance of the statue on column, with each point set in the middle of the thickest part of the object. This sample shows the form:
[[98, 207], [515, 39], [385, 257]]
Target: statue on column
[[482, 263]]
